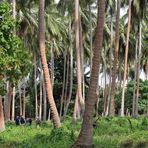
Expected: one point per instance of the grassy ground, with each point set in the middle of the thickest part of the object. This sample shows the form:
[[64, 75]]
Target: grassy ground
[[108, 133]]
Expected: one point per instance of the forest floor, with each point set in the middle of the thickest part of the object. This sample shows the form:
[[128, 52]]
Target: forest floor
[[109, 133]]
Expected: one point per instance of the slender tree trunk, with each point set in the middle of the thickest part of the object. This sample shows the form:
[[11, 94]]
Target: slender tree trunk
[[13, 105], [120, 75], [63, 87], [20, 97], [7, 103], [138, 70], [90, 25], [71, 71], [133, 105], [66, 84], [2, 123], [105, 88], [76, 104], [44, 99], [41, 94], [49, 113], [35, 85], [78, 55], [81, 55], [125, 59], [85, 138], [24, 100], [14, 8], [110, 71], [112, 104], [53, 108], [52, 66]]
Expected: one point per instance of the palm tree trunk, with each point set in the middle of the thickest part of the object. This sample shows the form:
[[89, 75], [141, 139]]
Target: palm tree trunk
[[133, 105], [14, 8], [53, 108], [63, 87], [41, 94], [2, 123], [86, 135], [7, 102], [76, 104], [81, 54], [112, 104], [13, 104], [110, 71], [66, 84], [71, 71], [24, 100], [78, 55], [125, 59], [20, 97], [52, 66], [44, 99], [35, 85], [138, 70], [105, 88], [49, 113], [90, 25]]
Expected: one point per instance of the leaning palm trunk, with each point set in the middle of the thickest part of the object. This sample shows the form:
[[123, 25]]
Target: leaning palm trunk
[[112, 104], [13, 104], [53, 108], [66, 83], [2, 124], [125, 59], [86, 135], [138, 71]]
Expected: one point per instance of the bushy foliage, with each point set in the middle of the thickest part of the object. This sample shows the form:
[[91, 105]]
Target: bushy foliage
[[15, 60], [143, 96]]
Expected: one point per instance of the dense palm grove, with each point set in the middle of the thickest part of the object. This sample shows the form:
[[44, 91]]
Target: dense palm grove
[[78, 59]]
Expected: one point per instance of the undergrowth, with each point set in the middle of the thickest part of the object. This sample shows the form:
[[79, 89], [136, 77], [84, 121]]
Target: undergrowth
[[114, 132]]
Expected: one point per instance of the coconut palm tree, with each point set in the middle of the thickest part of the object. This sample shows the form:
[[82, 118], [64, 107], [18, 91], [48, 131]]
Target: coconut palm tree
[[125, 58], [85, 137], [56, 118], [112, 108]]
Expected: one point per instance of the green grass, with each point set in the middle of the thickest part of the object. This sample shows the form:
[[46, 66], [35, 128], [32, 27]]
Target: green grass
[[109, 133]]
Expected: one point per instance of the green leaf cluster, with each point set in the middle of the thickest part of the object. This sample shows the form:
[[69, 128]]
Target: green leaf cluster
[[14, 58]]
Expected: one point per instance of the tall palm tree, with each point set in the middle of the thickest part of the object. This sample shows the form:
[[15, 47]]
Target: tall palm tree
[[56, 118], [125, 58], [86, 134], [112, 106]]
